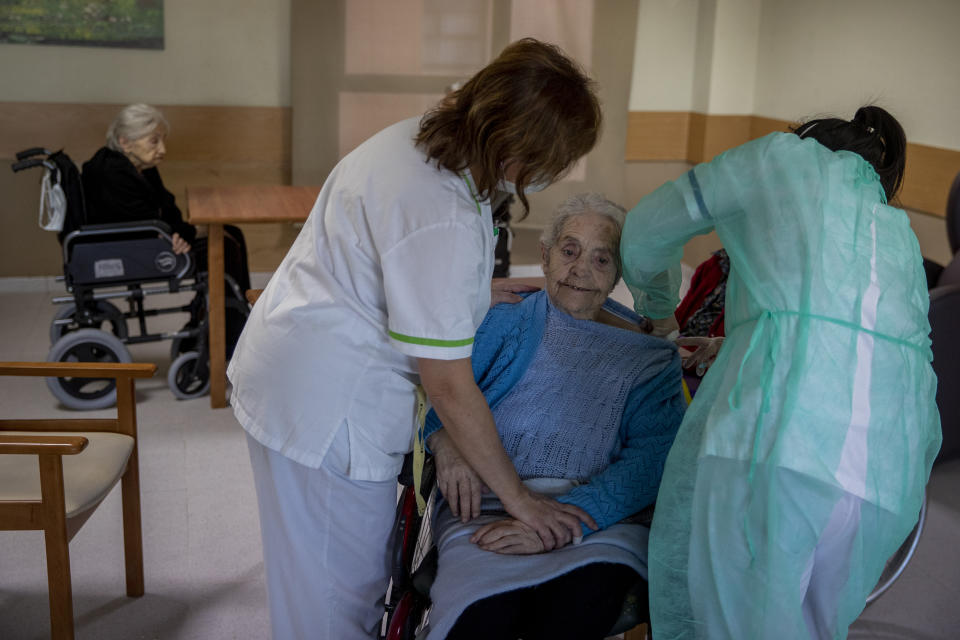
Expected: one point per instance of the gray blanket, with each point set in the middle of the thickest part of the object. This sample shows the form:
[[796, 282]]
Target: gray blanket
[[467, 573]]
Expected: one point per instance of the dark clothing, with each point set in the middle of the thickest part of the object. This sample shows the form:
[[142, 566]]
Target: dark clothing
[[579, 605], [116, 192]]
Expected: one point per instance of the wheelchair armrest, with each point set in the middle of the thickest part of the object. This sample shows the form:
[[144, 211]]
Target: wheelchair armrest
[[128, 227], [123, 242], [118, 230]]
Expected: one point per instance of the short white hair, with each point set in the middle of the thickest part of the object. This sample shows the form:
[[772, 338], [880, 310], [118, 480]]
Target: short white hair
[[583, 204], [135, 121]]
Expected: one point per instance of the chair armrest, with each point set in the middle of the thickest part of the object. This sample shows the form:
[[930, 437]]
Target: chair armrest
[[42, 445], [79, 369]]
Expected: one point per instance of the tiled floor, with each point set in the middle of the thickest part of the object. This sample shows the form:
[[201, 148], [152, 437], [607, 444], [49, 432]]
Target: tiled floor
[[204, 575]]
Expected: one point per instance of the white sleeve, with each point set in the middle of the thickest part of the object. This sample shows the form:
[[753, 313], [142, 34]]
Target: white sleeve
[[437, 289]]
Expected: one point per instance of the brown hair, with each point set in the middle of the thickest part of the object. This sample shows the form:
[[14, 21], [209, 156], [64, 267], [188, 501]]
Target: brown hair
[[532, 106]]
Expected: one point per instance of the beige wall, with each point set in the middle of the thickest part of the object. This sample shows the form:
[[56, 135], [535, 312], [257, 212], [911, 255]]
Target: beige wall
[[790, 59], [664, 55], [828, 56], [217, 52]]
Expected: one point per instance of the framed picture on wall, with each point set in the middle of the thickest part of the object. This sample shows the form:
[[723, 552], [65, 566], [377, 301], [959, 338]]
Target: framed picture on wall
[[135, 24]]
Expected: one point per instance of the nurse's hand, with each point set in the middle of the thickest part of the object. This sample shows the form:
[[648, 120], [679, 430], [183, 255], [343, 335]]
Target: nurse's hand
[[555, 522], [508, 536], [703, 354], [506, 290], [456, 479]]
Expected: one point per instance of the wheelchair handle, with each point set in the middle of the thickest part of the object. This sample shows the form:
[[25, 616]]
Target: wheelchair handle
[[32, 151], [27, 164]]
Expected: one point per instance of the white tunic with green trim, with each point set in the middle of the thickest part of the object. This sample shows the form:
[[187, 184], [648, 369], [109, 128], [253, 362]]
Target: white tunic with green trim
[[393, 264]]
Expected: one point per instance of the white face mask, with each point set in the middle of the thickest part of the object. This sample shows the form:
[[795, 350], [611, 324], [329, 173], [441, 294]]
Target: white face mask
[[508, 187]]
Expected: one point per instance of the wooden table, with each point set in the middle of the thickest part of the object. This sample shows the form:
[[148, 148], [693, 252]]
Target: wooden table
[[217, 206]]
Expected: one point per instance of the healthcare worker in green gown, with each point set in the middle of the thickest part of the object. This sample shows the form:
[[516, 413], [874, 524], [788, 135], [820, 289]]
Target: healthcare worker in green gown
[[801, 464]]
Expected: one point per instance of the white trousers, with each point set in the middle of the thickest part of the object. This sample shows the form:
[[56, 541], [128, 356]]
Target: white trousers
[[771, 559], [325, 542]]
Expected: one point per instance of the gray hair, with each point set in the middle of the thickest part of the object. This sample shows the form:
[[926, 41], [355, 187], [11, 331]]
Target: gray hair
[[582, 204], [134, 122]]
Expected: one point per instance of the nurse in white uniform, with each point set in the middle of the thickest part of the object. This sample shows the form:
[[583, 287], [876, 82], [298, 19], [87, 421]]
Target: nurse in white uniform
[[384, 288]]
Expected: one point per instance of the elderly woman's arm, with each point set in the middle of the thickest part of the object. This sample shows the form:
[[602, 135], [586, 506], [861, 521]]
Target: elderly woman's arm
[[464, 412], [650, 421], [648, 428]]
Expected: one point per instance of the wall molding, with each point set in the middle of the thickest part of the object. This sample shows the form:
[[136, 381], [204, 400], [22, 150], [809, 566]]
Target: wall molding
[[688, 136]]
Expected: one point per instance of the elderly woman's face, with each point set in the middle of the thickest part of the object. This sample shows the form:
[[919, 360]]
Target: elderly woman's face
[[581, 267], [148, 151]]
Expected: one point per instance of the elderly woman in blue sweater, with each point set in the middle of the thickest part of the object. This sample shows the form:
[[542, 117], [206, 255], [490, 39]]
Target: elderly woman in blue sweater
[[587, 406]]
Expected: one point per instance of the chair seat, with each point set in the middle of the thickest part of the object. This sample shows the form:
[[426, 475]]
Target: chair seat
[[87, 476]]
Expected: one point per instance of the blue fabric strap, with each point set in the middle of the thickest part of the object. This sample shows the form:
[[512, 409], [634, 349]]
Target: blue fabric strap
[[698, 195]]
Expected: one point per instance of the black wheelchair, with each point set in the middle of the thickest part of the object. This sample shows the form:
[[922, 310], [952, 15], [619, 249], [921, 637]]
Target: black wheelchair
[[125, 261]]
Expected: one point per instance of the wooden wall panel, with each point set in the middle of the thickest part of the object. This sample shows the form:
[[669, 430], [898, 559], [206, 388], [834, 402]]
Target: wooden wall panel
[[926, 182], [207, 145], [929, 174], [722, 133], [657, 135], [760, 126], [696, 139]]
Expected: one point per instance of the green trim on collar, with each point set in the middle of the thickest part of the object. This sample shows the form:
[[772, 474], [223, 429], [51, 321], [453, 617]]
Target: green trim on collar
[[466, 181]]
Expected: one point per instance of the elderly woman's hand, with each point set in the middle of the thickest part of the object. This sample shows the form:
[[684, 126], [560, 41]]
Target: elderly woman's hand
[[663, 327], [556, 523], [179, 244], [456, 479], [508, 536], [702, 356]]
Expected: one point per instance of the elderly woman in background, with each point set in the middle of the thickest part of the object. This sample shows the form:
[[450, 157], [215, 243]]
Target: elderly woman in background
[[121, 184], [587, 409]]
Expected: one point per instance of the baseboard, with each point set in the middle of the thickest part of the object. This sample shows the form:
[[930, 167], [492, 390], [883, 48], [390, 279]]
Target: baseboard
[[34, 284]]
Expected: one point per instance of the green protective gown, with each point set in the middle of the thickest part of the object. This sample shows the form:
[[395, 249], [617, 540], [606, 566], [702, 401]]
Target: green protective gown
[[821, 397]]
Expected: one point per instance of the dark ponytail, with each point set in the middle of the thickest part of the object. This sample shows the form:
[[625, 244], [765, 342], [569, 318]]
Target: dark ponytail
[[873, 134]]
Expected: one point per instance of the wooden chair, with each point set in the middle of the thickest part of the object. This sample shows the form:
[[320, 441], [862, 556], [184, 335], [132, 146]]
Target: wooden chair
[[253, 295], [54, 474]]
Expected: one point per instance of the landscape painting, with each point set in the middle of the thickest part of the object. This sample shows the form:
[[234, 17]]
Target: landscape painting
[[136, 24]]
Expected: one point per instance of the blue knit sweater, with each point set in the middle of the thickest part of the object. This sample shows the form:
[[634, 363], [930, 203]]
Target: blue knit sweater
[[508, 342]]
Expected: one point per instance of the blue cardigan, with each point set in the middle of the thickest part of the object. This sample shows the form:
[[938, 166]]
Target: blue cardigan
[[503, 348]]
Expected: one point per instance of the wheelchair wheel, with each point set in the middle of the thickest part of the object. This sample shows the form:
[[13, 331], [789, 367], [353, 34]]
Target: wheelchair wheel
[[189, 377], [179, 346], [406, 618], [109, 313], [414, 560], [898, 561], [86, 345]]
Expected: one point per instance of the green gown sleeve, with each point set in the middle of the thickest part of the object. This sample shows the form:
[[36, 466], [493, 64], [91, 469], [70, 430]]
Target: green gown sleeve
[[657, 228]]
